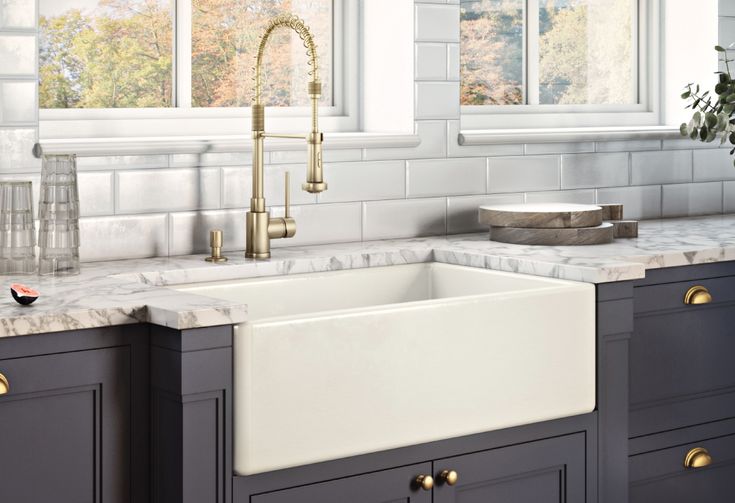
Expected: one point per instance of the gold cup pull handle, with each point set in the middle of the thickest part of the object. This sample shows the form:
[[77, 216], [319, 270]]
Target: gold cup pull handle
[[449, 477], [699, 457], [697, 295], [4, 385], [425, 482]]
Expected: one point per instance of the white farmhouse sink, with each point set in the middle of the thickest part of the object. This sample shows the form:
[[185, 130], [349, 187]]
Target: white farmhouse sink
[[342, 363]]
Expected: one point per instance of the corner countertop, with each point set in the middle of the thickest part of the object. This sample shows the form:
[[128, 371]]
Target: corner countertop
[[133, 291]]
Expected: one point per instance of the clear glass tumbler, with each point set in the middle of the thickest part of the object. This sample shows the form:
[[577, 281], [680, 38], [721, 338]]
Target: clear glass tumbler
[[58, 213], [17, 228]]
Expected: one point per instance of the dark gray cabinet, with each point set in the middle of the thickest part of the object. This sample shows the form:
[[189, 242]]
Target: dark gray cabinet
[[67, 429], [546, 471], [661, 476], [682, 386], [397, 485]]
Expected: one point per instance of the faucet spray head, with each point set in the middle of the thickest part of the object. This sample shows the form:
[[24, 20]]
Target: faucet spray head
[[314, 173]]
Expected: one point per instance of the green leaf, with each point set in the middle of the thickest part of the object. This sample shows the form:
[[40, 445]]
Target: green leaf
[[710, 137], [703, 133], [719, 48], [723, 78], [731, 98], [694, 134], [683, 129], [696, 103], [697, 119], [686, 95], [710, 120], [722, 121], [728, 109], [732, 138]]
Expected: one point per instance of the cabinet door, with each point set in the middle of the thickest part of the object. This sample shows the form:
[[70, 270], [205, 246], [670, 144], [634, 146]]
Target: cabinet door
[[546, 471], [65, 428], [394, 486], [661, 477]]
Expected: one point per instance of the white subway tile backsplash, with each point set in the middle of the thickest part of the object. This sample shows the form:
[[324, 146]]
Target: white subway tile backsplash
[[628, 145], [559, 148], [18, 14], [439, 177], [711, 165], [323, 223], [462, 211], [211, 159], [122, 162], [688, 144], [520, 174], [452, 61], [594, 170], [147, 191], [433, 136], [18, 102], [692, 199], [96, 193], [16, 145], [328, 155], [404, 218], [112, 238], [728, 202], [431, 61], [237, 185], [639, 202], [437, 100], [18, 54], [364, 181], [726, 8], [648, 168], [189, 231], [582, 196], [437, 23]]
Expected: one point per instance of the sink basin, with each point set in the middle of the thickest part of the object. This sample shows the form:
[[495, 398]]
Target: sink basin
[[342, 363]]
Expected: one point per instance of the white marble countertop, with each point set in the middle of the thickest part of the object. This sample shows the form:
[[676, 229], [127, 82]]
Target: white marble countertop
[[132, 291]]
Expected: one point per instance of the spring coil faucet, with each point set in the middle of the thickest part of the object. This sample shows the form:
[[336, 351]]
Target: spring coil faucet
[[261, 228]]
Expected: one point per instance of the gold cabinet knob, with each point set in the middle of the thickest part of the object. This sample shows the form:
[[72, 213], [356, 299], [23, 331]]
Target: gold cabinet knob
[[449, 477], [4, 385], [425, 482], [697, 295], [698, 457]]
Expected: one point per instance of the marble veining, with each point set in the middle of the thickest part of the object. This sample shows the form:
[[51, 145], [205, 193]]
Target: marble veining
[[133, 291]]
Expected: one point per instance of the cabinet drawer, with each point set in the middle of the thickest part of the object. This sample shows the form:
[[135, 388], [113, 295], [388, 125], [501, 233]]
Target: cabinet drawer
[[545, 471], [681, 359], [379, 487], [661, 476]]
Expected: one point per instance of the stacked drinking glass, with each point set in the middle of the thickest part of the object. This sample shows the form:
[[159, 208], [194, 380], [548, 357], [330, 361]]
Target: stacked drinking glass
[[17, 229], [58, 235]]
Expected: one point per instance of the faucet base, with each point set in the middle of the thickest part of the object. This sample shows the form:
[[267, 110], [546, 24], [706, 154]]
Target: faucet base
[[257, 256]]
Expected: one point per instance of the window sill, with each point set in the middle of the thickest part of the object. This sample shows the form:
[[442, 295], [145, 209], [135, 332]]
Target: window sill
[[565, 135], [98, 147]]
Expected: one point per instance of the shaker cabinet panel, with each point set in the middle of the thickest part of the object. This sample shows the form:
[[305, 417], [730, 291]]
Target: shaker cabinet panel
[[545, 471], [394, 486], [64, 427]]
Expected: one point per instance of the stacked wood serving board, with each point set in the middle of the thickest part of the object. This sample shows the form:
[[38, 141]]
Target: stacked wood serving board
[[557, 224]]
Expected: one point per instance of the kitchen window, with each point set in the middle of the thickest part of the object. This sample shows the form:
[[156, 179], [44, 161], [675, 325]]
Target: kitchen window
[[558, 63], [113, 68]]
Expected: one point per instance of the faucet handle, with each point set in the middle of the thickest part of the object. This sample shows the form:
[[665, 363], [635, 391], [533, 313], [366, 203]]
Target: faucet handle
[[287, 184]]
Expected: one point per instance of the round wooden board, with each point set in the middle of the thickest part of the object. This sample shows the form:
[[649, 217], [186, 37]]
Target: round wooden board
[[601, 234], [541, 216]]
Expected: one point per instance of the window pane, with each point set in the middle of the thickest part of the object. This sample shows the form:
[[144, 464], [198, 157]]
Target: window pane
[[105, 53], [491, 50], [587, 52], [225, 36]]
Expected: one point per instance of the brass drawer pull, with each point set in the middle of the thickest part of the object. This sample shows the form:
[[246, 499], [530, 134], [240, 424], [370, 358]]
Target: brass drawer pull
[[698, 457], [4, 385], [697, 295], [449, 477], [425, 482]]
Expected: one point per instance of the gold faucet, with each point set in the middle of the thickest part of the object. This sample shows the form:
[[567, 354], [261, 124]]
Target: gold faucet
[[261, 228]]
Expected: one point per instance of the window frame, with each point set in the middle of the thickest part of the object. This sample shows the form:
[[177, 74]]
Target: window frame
[[187, 121], [537, 116]]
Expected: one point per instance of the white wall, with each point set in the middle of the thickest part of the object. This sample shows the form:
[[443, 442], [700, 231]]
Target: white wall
[[138, 206]]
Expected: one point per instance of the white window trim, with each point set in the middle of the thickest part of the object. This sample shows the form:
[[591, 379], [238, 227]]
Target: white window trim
[[554, 117], [129, 123]]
